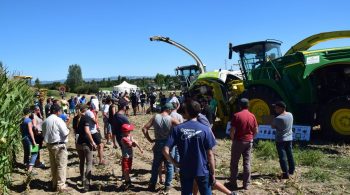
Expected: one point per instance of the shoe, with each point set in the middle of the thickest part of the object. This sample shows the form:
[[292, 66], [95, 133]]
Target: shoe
[[245, 188], [285, 176], [234, 193], [86, 185], [167, 189], [127, 185], [232, 186], [152, 187], [40, 165]]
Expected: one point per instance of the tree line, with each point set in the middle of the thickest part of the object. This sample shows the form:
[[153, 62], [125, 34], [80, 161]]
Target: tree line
[[76, 84]]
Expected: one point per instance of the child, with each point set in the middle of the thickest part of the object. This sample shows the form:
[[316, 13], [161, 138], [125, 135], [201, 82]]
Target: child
[[127, 152]]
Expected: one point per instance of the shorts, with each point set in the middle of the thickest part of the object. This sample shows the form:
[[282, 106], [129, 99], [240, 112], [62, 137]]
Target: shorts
[[142, 104], [126, 164], [97, 138], [107, 126]]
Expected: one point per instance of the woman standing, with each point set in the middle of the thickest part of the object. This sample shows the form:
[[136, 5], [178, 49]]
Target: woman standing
[[28, 140], [85, 145]]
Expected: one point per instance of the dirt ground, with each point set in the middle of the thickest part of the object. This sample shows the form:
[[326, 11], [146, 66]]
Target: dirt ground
[[107, 179]]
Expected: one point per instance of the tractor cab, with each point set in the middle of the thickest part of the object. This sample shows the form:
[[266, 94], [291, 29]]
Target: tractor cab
[[187, 74], [255, 55]]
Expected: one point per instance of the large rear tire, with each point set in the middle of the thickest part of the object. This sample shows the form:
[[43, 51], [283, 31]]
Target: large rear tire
[[260, 101], [335, 122]]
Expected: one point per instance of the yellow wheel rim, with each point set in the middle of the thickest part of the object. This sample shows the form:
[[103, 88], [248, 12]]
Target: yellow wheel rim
[[341, 121], [259, 108]]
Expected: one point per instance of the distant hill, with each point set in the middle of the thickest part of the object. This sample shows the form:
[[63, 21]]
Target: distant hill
[[96, 79]]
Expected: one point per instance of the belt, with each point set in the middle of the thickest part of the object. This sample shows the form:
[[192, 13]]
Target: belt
[[57, 143]]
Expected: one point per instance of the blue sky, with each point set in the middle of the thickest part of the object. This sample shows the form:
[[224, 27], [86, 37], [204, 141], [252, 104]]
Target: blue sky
[[110, 37]]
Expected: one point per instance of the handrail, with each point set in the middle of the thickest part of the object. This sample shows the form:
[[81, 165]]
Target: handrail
[[318, 38]]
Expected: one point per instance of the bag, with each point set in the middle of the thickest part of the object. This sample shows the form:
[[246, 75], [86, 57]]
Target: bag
[[34, 149]]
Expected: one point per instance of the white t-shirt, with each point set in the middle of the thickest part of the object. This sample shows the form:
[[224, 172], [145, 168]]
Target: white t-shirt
[[93, 128], [106, 109], [174, 99], [177, 116], [96, 104]]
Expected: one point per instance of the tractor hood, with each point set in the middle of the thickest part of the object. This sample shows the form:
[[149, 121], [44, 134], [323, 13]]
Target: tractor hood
[[221, 75], [318, 38]]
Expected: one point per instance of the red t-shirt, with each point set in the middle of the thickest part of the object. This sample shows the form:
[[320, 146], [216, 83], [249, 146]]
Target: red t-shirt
[[244, 123]]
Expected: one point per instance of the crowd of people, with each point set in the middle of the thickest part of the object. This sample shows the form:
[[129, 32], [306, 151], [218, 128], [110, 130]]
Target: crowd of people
[[183, 139]]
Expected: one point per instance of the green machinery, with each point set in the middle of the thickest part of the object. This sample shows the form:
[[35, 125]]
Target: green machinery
[[315, 84], [196, 81]]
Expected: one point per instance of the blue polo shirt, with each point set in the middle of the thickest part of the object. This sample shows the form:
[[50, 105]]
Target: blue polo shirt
[[193, 139]]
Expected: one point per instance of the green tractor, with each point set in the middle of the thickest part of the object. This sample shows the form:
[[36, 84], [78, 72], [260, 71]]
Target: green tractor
[[315, 84]]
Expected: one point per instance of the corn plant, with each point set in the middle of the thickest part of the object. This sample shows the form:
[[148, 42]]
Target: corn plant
[[15, 95]]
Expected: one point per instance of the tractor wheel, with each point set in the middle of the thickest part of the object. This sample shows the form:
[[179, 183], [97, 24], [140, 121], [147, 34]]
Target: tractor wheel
[[260, 101], [336, 119]]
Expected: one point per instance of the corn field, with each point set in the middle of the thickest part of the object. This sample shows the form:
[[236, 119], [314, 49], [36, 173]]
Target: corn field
[[15, 95]]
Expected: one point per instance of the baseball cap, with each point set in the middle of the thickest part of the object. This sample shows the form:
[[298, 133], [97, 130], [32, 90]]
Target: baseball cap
[[244, 102], [168, 106], [127, 127], [280, 104]]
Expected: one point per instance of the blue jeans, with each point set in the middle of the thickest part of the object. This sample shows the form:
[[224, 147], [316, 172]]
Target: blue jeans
[[202, 182], [27, 145], [285, 154], [158, 158], [175, 154]]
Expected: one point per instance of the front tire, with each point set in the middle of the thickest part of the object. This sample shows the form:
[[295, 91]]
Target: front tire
[[260, 101], [335, 122]]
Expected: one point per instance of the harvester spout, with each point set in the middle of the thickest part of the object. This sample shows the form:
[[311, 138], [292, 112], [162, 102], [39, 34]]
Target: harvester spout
[[183, 48]]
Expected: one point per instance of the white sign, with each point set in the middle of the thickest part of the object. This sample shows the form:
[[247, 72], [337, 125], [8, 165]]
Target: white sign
[[300, 133], [313, 60]]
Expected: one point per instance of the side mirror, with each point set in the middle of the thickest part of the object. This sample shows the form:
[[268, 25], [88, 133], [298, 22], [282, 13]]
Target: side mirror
[[230, 51]]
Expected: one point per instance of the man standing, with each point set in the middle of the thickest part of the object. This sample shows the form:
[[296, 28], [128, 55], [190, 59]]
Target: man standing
[[48, 107], [283, 124], [162, 124], [243, 129], [106, 125], [195, 142], [119, 119], [55, 134]]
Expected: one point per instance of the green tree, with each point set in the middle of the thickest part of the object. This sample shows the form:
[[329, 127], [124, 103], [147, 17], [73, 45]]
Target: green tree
[[159, 80], [37, 83], [168, 82], [74, 78]]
